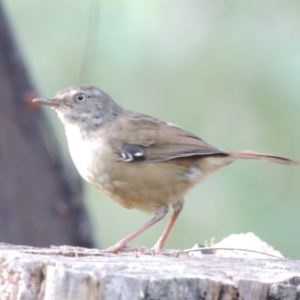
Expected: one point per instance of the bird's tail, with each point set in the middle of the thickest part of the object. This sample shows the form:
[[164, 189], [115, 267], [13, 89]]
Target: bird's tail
[[263, 156]]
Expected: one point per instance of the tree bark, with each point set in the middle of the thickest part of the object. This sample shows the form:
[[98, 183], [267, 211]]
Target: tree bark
[[40, 204]]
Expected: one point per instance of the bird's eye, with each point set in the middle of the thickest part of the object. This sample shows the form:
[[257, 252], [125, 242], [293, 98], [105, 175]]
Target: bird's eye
[[80, 97]]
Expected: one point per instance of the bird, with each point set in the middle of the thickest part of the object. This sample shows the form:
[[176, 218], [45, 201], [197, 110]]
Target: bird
[[137, 160]]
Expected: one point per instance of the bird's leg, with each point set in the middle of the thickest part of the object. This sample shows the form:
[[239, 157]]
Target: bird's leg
[[160, 213], [161, 241]]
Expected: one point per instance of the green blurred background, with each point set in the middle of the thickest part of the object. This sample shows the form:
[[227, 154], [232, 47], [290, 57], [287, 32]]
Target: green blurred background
[[228, 71]]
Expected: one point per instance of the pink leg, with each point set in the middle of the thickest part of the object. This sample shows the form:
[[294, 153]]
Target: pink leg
[[159, 214], [161, 241]]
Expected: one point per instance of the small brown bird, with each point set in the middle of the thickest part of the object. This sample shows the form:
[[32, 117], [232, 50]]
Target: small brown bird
[[136, 160]]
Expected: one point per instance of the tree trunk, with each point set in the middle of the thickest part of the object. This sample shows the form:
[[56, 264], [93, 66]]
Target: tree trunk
[[40, 205]]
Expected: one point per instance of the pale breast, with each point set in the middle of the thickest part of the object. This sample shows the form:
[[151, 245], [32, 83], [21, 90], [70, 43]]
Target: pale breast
[[88, 156]]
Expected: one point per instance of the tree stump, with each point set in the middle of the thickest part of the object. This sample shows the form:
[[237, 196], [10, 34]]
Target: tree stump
[[36, 273]]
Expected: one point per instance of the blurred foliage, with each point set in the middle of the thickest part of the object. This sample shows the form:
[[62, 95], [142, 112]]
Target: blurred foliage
[[228, 71]]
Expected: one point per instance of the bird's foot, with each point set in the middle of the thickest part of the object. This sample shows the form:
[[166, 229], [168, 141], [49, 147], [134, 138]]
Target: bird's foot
[[143, 250], [115, 249], [125, 249]]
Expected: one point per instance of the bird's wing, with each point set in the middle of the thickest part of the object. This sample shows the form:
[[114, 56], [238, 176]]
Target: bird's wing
[[137, 137]]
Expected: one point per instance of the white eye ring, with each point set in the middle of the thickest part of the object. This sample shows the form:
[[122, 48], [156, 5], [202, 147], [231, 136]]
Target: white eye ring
[[80, 97]]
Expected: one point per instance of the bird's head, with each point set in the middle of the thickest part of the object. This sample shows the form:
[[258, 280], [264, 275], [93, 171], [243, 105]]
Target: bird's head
[[84, 105]]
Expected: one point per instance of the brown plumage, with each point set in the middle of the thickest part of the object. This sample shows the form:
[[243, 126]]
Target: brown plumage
[[136, 160]]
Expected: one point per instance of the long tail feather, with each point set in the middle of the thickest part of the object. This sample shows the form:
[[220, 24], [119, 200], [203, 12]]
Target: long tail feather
[[263, 156]]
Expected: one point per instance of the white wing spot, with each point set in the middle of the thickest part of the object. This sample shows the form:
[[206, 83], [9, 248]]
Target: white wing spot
[[127, 157], [172, 125], [138, 154]]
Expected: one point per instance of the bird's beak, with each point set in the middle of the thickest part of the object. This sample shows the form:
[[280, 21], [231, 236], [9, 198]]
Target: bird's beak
[[46, 101]]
